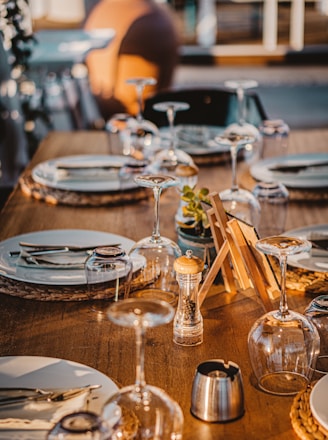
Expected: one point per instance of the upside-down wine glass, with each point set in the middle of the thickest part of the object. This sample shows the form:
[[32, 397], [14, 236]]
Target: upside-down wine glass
[[170, 157], [144, 135], [237, 201], [241, 126], [156, 278], [283, 344], [143, 411]]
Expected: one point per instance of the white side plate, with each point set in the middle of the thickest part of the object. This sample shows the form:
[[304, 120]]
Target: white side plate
[[305, 260], [319, 401], [46, 372]]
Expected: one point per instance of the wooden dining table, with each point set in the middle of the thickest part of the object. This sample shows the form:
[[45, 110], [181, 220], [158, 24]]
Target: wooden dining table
[[71, 330]]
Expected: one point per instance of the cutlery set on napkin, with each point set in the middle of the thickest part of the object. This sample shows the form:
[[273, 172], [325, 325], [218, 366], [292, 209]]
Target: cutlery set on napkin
[[301, 166], [319, 245], [94, 170], [39, 409], [302, 171], [53, 256], [83, 173]]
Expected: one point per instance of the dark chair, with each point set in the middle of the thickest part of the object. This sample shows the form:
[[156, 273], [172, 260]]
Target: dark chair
[[208, 106]]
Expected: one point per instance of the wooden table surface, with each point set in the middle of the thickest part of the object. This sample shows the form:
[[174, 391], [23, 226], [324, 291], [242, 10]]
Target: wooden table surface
[[70, 330]]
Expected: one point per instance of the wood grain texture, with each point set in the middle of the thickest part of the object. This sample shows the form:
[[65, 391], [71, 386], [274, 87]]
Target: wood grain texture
[[72, 331]]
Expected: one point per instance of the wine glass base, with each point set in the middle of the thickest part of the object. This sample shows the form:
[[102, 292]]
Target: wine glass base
[[145, 412], [283, 383], [322, 365], [169, 297], [241, 204]]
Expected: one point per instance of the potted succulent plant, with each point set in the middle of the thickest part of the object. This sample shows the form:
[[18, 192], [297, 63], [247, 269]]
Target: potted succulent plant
[[195, 233]]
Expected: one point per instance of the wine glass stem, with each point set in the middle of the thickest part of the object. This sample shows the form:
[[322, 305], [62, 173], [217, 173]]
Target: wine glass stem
[[233, 152], [241, 105], [283, 308], [156, 234], [171, 117], [140, 101], [140, 356]]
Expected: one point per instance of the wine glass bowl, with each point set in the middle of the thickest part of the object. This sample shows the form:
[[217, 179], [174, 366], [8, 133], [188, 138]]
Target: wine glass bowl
[[157, 253], [317, 312], [240, 85], [283, 344], [140, 83], [241, 126], [170, 156], [237, 201], [144, 134], [144, 411], [273, 198]]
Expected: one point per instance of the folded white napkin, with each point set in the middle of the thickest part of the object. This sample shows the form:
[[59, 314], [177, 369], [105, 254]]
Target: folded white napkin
[[38, 415], [61, 260], [316, 252], [92, 174]]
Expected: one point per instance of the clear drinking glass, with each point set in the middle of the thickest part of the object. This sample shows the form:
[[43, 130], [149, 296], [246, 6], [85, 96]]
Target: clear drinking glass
[[237, 201], [119, 124], [273, 198], [108, 272], [81, 425], [283, 345], [170, 157], [144, 411], [275, 133], [317, 312]]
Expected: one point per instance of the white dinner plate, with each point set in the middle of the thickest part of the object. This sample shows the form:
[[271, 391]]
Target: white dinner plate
[[305, 260], [319, 401], [47, 173], [316, 177], [47, 372], [198, 139], [80, 237]]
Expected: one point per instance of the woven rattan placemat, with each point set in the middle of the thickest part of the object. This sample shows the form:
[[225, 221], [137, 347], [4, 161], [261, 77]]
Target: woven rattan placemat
[[303, 280], [295, 194], [56, 196], [211, 159], [303, 422], [297, 279]]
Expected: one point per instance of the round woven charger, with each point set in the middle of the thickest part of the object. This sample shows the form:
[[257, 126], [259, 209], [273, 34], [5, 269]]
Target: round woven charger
[[303, 422], [42, 292], [56, 196]]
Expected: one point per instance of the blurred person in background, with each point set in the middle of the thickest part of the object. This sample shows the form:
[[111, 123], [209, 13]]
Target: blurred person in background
[[146, 45]]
